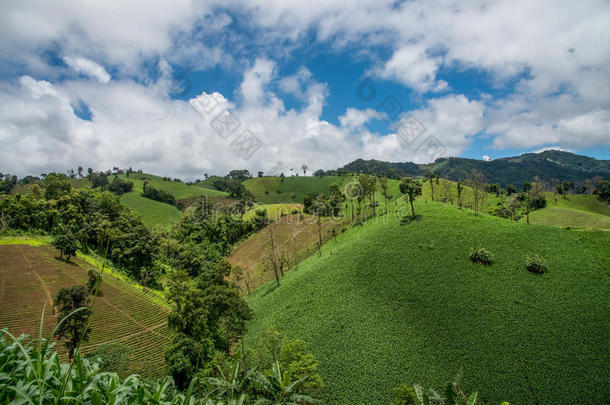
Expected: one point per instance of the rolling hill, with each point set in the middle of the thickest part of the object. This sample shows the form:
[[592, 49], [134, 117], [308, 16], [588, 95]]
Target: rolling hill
[[548, 165], [575, 211], [395, 302], [30, 276]]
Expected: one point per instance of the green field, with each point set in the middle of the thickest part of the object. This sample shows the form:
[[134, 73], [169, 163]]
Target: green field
[[155, 213], [394, 302], [270, 190], [152, 212], [575, 211]]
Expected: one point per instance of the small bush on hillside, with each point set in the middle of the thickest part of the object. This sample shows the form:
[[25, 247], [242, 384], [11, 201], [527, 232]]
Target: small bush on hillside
[[114, 357], [536, 264], [481, 256]]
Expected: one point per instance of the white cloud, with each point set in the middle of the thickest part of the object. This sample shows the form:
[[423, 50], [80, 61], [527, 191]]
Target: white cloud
[[88, 67], [486, 158], [355, 119]]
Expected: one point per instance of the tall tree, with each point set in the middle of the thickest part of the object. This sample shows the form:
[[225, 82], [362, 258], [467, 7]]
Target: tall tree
[[383, 184], [73, 316], [411, 188], [476, 181]]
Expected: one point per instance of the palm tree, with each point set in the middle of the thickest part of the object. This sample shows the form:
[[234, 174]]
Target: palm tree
[[276, 391]]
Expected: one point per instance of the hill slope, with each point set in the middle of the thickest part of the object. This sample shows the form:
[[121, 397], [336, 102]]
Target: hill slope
[[575, 211], [392, 303], [548, 165], [31, 276]]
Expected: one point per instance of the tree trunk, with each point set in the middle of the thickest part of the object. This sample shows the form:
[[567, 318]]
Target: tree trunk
[[412, 209], [527, 211], [319, 236]]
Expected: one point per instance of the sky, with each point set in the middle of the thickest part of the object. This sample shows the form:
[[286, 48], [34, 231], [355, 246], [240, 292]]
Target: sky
[[182, 88]]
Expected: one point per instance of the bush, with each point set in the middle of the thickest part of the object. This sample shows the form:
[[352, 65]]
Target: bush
[[158, 195], [536, 264], [481, 256], [114, 357]]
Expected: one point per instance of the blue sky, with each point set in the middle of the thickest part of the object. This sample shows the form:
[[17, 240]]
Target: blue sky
[[184, 88]]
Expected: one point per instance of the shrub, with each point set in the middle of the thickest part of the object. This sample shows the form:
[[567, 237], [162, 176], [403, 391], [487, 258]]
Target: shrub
[[536, 264], [114, 357], [481, 256]]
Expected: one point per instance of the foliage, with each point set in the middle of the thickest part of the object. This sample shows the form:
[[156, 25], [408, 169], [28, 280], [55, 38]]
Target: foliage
[[55, 185], [602, 189], [379, 307], [536, 264], [547, 165], [153, 193], [32, 373], [112, 357], [410, 188], [119, 186], [73, 316], [481, 256], [66, 244], [206, 316], [404, 395]]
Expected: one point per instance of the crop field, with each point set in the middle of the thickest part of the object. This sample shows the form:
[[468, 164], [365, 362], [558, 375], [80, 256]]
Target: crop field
[[296, 237], [31, 276], [400, 302]]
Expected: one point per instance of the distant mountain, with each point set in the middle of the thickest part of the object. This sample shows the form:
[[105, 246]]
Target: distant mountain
[[547, 165]]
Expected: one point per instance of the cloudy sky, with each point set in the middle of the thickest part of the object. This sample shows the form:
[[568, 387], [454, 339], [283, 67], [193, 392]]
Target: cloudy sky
[[183, 88]]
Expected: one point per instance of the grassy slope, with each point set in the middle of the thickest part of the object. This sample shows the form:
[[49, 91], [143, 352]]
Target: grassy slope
[[393, 303], [582, 211], [156, 213], [292, 190]]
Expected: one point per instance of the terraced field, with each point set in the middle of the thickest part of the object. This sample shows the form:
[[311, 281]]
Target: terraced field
[[31, 276]]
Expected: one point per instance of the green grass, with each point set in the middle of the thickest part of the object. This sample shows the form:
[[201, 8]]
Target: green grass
[[155, 213], [152, 212], [576, 211], [270, 190], [179, 190], [274, 211], [391, 303]]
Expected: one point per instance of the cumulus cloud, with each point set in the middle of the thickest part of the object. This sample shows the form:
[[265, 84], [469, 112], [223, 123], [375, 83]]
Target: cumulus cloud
[[88, 67], [543, 56]]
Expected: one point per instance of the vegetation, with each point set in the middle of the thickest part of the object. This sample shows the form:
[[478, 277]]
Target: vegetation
[[73, 317], [536, 264], [546, 165], [481, 256], [370, 304], [153, 193]]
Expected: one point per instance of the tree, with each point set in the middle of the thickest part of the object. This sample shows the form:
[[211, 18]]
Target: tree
[[260, 174], [510, 189], [602, 190], [278, 390], [80, 171], [432, 178], [460, 190], [239, 175], [335, 198], [73, 317], [410, 188], [476, 181], [304, 167], [66, 244], [383, 184], [55, 185], [282, 177], [565, 187], [532, 196]]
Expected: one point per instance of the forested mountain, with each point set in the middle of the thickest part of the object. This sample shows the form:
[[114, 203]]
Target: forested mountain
[[548, 165]]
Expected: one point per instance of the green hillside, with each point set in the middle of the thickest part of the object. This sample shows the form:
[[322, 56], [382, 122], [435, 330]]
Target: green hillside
[[157, 213], [271, 190], [575, 211], [394, 302]]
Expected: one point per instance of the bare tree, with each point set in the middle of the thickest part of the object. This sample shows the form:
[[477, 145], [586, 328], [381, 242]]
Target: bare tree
[[476, 181]]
